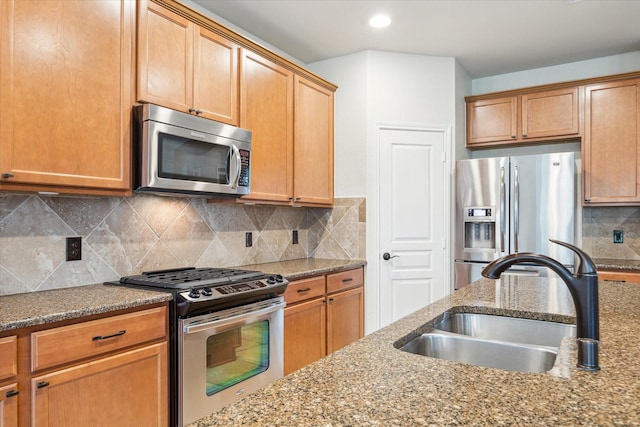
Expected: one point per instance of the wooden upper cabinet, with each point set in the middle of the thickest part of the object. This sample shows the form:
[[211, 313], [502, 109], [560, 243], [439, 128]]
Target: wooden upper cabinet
[[550, 113], [186, 67], [611, 143], [535, 116], [492, 120], [66, 73], [313, 143], [267, 110]]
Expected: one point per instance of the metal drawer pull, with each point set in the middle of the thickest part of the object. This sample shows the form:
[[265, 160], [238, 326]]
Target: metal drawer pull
[[42, 384], [105, 337], [350, 279], [12, 393], [301, 291], [7, 175]]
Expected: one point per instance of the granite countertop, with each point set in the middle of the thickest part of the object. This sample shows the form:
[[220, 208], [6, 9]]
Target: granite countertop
[[42, 307], [39, 308], [617, 264], [305, 267], [371, 383]]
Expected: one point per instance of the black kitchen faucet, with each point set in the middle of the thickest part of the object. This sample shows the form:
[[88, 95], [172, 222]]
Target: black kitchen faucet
[[583, 286]]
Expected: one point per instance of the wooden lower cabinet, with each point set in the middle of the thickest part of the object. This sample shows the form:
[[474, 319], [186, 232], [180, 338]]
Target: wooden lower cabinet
[[323, 314], [129, 389], [345, 314], [619, 276], [9, 390], [304, 334], [9, 405], [107, 370]]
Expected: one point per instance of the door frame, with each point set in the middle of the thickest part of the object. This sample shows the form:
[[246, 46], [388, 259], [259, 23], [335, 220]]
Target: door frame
[[373, 304]]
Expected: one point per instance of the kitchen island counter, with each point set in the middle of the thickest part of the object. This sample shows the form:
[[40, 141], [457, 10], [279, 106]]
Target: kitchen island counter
[[372, 383]]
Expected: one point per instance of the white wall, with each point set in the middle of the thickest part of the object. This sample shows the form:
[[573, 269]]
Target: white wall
[[392, 88], [608, 65]]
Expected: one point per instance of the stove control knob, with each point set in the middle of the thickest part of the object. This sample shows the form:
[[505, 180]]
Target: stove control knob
[[271, 280], [206, 292], [194, 293], [279, 278]]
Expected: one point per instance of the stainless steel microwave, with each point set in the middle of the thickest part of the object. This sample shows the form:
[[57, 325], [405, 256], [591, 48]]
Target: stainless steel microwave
[[181, 154]]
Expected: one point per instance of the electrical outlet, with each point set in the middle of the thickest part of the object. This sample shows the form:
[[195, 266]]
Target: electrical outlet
[[74, 248], [618, 236], [248, 239], [294, 237]]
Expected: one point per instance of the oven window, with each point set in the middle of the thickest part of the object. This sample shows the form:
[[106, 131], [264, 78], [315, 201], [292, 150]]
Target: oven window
[[186, 159], [236, 355]]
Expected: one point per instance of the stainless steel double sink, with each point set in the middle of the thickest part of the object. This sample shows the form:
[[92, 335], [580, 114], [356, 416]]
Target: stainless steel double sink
[[508, 343]]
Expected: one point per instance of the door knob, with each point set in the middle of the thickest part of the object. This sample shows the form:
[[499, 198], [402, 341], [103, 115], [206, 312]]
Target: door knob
[[387, 256]]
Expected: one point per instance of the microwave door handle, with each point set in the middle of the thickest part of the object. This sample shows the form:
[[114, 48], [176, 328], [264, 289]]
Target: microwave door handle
[[235, 154]]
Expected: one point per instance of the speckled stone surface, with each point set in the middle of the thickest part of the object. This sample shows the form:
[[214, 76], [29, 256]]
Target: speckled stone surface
[[617, 264], [38, 308], [299, 268], [372, 383]]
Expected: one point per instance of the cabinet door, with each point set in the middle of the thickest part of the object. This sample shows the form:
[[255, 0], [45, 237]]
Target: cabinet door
[[165, 57], [313, 144], [267, 110], [304, 334], [551, 113], [66, 94], [9, 405], [8, 357], [619, 276], [345, 318], [129, 389], [492, 120], [611, 143], [215, 76]]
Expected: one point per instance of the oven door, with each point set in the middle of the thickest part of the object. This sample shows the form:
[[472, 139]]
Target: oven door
[[226, 355]]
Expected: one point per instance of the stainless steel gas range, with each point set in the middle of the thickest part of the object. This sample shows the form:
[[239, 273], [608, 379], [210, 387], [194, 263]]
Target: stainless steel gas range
[[226, 335]]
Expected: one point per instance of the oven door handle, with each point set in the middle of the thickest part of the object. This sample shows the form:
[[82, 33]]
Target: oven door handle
[[232, 321]]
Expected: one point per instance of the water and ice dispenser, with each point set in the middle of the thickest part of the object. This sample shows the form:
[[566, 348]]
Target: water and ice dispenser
[[480, 229]]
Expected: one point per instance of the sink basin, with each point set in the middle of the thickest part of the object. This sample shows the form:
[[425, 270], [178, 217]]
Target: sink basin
[[507, 343], [490, 354], [511, 329]]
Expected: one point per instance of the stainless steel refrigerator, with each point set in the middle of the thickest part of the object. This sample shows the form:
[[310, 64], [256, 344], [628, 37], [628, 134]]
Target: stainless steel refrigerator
[[513, 204]]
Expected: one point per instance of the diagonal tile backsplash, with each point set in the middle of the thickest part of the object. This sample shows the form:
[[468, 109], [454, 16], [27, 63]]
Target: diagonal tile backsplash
[[124, 236]]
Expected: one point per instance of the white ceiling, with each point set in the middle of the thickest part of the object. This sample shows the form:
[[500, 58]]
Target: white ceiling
[[488, 37]]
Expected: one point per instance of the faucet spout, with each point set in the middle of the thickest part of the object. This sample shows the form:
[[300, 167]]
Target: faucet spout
[[583, 286]]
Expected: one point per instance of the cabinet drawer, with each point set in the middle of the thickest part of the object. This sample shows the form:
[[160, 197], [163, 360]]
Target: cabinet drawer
[[304, 289], [8, 357], [74, 342], [345, 280]]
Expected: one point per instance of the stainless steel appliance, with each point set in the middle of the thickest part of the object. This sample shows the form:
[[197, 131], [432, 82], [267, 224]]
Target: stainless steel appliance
[[182, 154], [226, 335], [513, 204]]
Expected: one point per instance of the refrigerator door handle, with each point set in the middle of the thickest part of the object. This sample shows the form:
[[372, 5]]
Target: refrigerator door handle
[[516, 209], [503, 206]]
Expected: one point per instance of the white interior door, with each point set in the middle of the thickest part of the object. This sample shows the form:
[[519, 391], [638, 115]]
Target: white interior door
[[414, 221]]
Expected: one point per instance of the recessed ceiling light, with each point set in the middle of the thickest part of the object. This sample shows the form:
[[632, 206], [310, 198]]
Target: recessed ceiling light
[[380, 21]]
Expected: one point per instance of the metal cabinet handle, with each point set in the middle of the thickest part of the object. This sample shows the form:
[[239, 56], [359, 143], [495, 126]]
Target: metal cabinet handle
[[302, 291], [12, 393], [350, 279], [387, 256], [7, 175], [106, 337], [42, 384]]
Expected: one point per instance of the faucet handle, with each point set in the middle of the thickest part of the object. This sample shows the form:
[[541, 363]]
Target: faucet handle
[[586, 266]]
